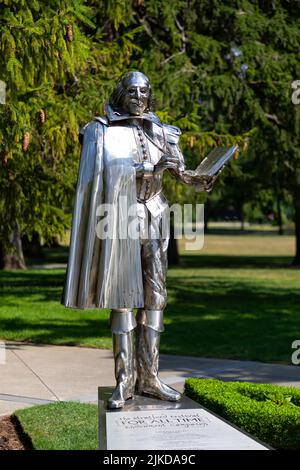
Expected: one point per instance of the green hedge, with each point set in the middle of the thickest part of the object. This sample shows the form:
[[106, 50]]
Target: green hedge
[[270, 413]]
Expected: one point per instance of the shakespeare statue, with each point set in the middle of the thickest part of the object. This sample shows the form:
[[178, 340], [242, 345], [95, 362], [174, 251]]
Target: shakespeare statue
[[124, 155]]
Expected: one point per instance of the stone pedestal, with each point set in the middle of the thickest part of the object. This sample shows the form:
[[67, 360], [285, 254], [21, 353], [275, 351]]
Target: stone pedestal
[[150, 424]]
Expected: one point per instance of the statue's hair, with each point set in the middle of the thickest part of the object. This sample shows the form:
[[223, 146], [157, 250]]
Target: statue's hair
[[117, 95]]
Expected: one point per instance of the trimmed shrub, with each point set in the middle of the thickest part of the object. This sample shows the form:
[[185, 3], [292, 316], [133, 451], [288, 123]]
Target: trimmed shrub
[[270, 413]]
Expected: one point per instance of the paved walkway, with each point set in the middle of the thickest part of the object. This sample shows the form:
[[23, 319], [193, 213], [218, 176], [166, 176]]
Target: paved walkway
[[35, 374]]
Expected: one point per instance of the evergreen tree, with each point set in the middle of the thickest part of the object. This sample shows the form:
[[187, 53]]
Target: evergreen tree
[[225, 68], [56, 78], [221, 70]]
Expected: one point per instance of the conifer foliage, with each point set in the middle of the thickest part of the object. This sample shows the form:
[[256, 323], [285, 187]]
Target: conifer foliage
[[56, 78], [221, 70]]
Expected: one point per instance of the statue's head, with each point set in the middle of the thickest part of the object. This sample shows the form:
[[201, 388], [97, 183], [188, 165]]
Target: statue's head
[[132, 94]]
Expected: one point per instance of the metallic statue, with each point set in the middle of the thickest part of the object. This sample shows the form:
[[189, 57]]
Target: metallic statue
[[124, 155]]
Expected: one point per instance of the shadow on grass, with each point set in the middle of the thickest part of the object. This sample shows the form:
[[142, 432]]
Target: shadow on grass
[[30, 310], [60, 255], [14, 279], [82, 331], [231, 318], [236, 231], [207, 315], [232, 262], [50, 255]]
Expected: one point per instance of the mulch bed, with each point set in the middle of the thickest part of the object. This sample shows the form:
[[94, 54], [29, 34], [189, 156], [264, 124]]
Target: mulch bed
[[12, 436]]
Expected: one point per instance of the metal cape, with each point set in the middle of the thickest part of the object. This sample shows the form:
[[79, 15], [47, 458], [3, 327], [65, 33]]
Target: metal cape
[[103, 273]]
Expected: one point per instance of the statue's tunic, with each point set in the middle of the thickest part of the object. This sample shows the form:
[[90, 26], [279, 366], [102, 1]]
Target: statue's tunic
[[120, 271]]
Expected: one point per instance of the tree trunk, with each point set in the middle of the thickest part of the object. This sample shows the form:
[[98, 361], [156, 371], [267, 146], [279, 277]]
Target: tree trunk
[[207, 211], [173, 255], [296, 261], [242, 218], [277, 192], [279, 215], [12, 258], [32, 248], [55, 242]]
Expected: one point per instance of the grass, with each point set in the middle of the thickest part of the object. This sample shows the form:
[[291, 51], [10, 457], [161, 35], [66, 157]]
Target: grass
[[61, 426], [30, 310], [237, 299]]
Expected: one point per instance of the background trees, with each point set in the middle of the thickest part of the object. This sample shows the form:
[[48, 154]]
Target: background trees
[[221, 70], [56, 77]]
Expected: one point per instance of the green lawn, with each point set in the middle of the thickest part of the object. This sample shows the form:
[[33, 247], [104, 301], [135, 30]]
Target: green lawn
[[61, 426], [238, 298]]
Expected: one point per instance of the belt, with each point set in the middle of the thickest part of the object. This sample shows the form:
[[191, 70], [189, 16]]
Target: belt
[[156, 204]]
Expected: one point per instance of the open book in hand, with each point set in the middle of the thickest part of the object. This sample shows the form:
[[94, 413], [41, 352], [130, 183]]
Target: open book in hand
[[215, 160]]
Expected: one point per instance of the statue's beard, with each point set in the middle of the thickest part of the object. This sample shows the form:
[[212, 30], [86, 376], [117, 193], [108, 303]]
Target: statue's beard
[[135, 107]]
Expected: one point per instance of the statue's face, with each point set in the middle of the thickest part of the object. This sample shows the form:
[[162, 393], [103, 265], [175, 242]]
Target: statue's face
[[136, 95]]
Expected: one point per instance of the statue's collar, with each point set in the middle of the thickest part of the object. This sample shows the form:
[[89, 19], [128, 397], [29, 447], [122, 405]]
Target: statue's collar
[[115, 116]]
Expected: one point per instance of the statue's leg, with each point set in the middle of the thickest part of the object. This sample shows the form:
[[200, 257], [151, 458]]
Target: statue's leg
[[149, 328], [122, 323], [150, 319]]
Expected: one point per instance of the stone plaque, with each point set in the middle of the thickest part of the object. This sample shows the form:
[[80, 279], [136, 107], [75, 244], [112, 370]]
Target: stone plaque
[[149, 424]]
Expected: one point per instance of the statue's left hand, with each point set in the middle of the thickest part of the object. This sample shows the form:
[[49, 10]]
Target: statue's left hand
[[206, 183]]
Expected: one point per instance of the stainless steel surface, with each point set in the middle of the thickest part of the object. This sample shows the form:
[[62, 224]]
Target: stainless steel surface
[[152, 318], [106, 175], [123, 346], [147, 361], [154, 255], [122, 321], [124, 155], [140, 402]]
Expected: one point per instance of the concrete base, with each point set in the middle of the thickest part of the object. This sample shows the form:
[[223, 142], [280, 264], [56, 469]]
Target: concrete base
[[150, 424]]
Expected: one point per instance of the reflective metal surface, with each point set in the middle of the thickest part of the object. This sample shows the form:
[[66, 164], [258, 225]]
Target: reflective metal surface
[[152, 318], [147, 357], [123, 347], [124, 155], [122, 321]]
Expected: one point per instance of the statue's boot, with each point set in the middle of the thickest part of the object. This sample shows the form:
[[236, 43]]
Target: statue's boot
[[122, 326], [150, 325]]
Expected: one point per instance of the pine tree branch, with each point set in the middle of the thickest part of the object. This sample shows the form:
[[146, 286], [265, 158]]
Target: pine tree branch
[[273, 117], [183, 34], [164, 62], [147, 28], [184, 42]]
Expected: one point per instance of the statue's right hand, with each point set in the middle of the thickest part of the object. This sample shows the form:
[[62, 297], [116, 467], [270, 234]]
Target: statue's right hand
[[167, 162], [144, 169]]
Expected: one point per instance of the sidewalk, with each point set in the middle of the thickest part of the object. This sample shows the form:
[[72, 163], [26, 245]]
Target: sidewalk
[[36, 374]]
